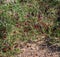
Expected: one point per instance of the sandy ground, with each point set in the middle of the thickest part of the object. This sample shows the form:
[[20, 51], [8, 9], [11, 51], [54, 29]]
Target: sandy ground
[[37, 50]]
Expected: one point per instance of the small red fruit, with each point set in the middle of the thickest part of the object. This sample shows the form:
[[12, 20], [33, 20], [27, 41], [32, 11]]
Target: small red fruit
[[26, 23], [4, 37], [4, 49], [28, 15], [36, 26], [17, 25], [39, 16], [25, 30]]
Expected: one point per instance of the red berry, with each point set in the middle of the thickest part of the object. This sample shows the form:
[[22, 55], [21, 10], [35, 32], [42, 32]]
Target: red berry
[[4, 37], [28, 15], [26, 23], [17, 25], [4, 49], [36, 26], [26, 29], [39, 17]]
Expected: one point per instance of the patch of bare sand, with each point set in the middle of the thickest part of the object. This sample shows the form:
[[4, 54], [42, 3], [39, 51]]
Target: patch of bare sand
[[37, 50]]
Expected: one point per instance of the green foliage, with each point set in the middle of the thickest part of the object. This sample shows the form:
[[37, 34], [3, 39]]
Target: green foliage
[[23, 20]]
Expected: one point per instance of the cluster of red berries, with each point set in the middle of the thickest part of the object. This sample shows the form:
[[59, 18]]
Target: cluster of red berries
[[17, 25], [36, 26], [6, 47]]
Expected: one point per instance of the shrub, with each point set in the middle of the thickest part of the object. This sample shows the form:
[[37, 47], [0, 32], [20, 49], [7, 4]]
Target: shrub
[[23, 20]]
